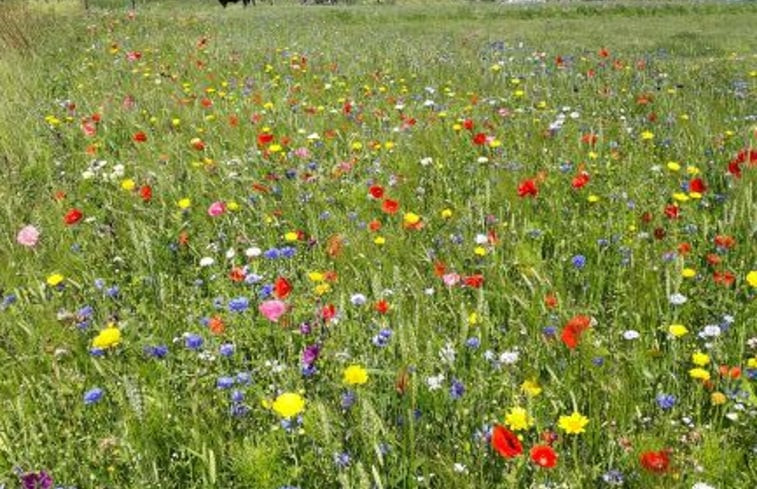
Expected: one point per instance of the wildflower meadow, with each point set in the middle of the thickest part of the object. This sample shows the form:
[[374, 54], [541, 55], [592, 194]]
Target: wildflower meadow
[[444, 244]]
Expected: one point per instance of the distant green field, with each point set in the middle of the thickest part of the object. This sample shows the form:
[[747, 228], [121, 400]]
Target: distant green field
[[399, 245]]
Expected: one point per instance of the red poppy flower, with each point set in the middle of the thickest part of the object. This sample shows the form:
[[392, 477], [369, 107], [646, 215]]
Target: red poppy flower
[[550, 301], [479, 139], [390, 206], [374, 225], [724, 241], [656, 462], [580, 180], [281, 288], [72, 217], [571, 333], [328, 312], [730, 372], [376, 191], [145, 191], [684, 248], [589, 138], [474, 281], [505, 442], [206, 102], [671, 210], [382, 307], [439, 269], [265, 139], [724, 278], [468, 124], [734, 167], [346, 108], [544, 456], [603, 53], [697, 185], [528, 188], [140, 137], [713, 259]]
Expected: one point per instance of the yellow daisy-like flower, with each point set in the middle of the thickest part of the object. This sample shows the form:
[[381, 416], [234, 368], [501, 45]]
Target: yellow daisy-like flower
[[316, 277], [680, 197], [718, 398], [677, 330], [55, 279], [574, 424], [688, 273], [291, 236], [321, 289], [647, 135], [379, 240], [109, 337], [357, 146], [184, 203], [447, 213], [233, 206], [699, 374], [479, 251], [751, 278], [593, 199], [128, 184], [752, 362], [673, 166], [355, 375], [288, 405], [274, 148], [473, 318], [518, 419], [531, 388], [700, 359], [411, 218]]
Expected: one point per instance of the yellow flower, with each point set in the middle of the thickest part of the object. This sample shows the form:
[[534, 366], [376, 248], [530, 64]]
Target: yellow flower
[[531, 388], [647, 135], [321, 289], [479, 251], [593, 199], [574, 424], [688, 273], [677, 330], [751, 278], [107, 338], [379, 240], [316, 276], [355, 375], [411, 218], [184, 204], [752, 362], [128, 184], [717, 398], [692, 170], [699, 373], [447, 213], [700, 359], [357, 146], [288, 405], [274, 148], [673, 166], [232, 206], [55, 279], [680, 197], [518, 419], [473, 318], [291, 236]]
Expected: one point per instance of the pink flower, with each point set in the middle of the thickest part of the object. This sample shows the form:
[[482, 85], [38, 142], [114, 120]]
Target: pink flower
[[28, 236], [272, 310], [216, 209], [450, 279], [302, 153]]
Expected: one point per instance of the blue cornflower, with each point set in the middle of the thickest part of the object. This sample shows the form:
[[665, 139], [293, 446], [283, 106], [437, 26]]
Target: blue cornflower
[[93, 395], [598, 361], [239, 304], [288, 251], [473, 343], [271, 254], [348, 399], [244, 378], [382, 338], [113, 292], [613, 477], [549, 331], [193, 341], [578, 261], [457, 389], [225, 382], [665, 401], [237, 396], [265, 291], [158, 351], [342, 460], [226, 349]]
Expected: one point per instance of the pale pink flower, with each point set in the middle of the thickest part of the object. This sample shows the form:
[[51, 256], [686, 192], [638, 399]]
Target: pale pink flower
[[272, 310], [302, 153], [450, 279], [28, 236], [216, 208]]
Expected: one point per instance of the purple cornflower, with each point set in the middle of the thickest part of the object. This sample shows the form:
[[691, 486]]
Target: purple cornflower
[[457, 389], [578, 261], [239, 304], [37, 480], [193, 341], [310, 354], [665, 401], [92, 396]]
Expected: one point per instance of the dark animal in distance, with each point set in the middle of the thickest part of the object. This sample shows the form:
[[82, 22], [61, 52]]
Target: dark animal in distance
[[244, 2]]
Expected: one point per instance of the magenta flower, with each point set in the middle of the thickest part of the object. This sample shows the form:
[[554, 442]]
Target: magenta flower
[[272, 310], [216, 208]]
